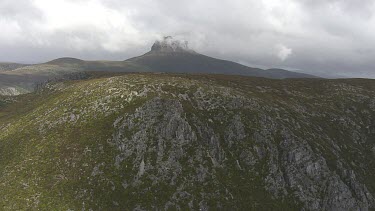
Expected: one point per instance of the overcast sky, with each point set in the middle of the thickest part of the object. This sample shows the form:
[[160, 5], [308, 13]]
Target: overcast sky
[[317, 36]]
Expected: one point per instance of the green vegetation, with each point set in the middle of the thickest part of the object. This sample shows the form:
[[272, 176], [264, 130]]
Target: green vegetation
[[176, 141]]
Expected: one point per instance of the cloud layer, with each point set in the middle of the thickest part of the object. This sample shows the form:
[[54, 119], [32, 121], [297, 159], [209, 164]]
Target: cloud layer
[[328, 37]]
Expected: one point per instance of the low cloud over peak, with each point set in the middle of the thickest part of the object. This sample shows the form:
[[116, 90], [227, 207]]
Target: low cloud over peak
[[320, 37]]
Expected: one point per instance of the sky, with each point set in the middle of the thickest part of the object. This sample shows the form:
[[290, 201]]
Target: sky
[[322, 37]]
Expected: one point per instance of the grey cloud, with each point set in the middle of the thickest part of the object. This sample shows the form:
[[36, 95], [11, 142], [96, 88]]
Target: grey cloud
[[18, 9], [362, 9], [327, 37]]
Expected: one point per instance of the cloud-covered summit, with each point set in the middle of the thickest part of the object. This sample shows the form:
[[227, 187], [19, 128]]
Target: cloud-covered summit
[[318, 36], [170, 44]]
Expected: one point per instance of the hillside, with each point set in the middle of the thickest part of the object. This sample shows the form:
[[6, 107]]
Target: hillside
[[175, 141], [10, 66], [180, 62], [25, 79]]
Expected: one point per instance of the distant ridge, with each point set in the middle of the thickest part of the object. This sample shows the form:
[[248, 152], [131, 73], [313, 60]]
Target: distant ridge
[[6, 66], [169, 55], [66, 60]]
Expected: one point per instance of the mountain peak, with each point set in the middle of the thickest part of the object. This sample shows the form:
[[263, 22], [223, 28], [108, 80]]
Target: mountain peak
[[168, 44]]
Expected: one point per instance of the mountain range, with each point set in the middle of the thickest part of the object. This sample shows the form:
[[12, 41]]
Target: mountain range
[[168, 55]]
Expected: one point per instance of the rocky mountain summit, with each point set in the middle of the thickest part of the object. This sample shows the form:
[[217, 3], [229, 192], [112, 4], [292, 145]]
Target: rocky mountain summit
[[171, 45], [200, 142]]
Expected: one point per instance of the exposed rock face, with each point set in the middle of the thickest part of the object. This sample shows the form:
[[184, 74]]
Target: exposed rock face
[[151, 142], [171, 45]]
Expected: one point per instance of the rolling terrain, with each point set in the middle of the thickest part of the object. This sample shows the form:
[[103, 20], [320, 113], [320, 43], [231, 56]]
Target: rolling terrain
[[168, 56], [114, 141], [10, 66]]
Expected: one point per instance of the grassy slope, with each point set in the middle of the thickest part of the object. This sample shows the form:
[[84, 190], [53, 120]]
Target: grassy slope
[[51, 142], [25, 78]]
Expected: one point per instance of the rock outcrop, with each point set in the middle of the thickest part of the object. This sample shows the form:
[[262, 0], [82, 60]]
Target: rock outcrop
[[158, 142], [171, 45]]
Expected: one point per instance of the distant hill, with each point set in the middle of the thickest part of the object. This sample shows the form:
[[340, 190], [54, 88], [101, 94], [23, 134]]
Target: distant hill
[[10, 66], [66, 60], [168, 55], [174, 56]]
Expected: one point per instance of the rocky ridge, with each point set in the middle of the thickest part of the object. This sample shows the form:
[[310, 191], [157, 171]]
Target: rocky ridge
[[159, 141]]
